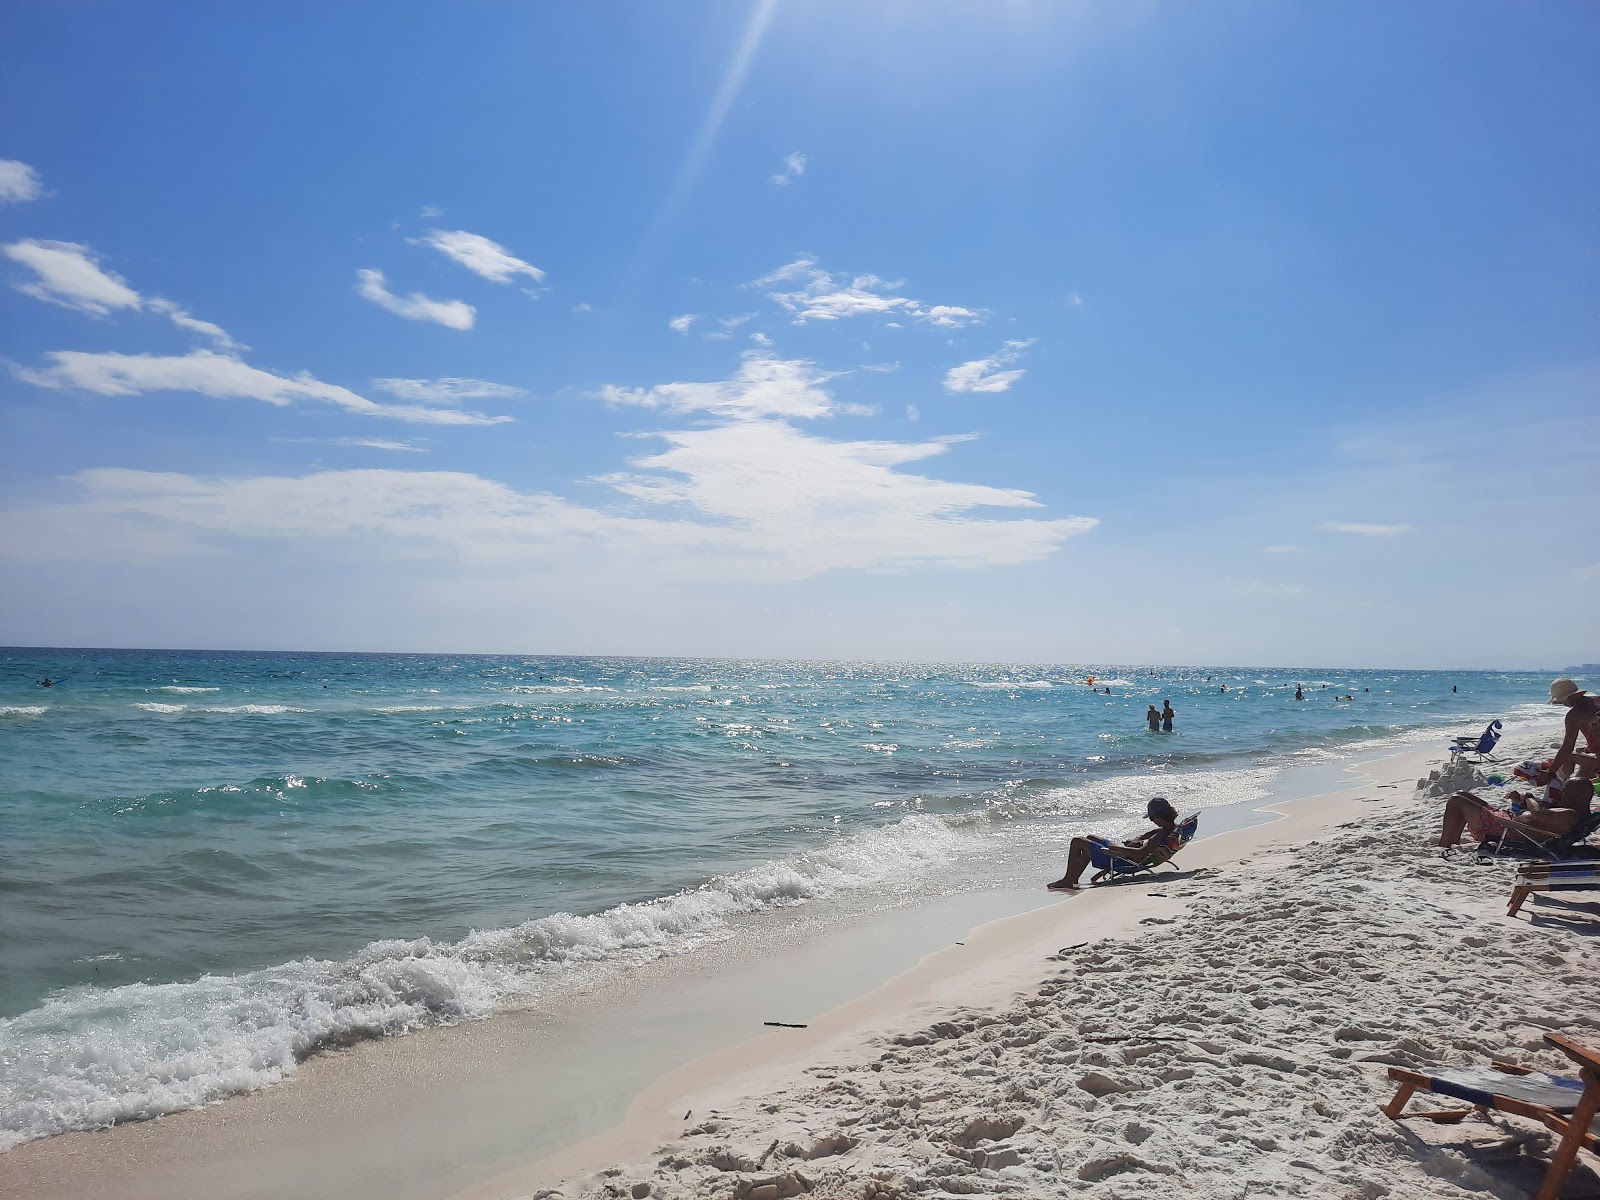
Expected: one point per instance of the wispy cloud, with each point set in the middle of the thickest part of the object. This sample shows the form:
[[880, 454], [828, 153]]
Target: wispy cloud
[[19, 182], [453, 314], [757, 501], [1363, 530], [450, 390], [1281, 549], [813, 294], [223, 377], [992, 374], [70, 274], [479, 255], [762, 387], [366, 443], [794, 166], [681, 324]]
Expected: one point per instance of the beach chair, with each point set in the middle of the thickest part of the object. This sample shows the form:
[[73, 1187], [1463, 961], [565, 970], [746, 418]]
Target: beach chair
[[1553, 877], [1122, 868], [1555, 848], [1480, 745], [1567, 1106]]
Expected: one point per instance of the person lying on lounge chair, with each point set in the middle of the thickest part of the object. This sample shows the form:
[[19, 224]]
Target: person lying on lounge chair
[[1542, 818], [1100, 851]]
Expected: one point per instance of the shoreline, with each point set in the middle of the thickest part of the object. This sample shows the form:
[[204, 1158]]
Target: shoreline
[[387, 1118], [1235, 1040], [1000, 960]]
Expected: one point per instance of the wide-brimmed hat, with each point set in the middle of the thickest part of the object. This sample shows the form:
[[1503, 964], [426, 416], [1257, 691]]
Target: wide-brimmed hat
[[1563, 690]]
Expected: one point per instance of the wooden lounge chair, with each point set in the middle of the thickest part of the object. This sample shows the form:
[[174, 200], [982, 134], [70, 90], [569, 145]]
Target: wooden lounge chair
[[1567, 1106], [1551, 877], [1182, 834]]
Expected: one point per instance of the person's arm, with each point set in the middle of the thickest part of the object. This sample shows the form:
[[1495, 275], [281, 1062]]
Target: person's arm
[[1568, 744]]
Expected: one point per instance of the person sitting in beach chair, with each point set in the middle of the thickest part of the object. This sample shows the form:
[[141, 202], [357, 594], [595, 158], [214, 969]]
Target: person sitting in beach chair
[[1145, 850], [1537, 823]]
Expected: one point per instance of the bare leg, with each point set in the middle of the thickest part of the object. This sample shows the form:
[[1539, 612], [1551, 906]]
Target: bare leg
[[1455, 817], [1077, 860]]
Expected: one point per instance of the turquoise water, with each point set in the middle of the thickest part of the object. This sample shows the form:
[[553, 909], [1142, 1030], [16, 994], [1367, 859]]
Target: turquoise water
[[218, 863]]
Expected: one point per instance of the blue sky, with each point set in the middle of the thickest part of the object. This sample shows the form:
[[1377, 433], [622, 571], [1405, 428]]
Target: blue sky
[[1238, 332]]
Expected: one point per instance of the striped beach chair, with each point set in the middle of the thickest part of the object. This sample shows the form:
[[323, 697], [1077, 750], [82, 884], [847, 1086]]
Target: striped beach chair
[[1566, 1106], [1553, 877]]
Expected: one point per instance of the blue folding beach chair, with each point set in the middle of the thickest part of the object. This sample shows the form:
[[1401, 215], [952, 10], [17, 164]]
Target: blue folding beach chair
[[1112, 867], [1481, 745]]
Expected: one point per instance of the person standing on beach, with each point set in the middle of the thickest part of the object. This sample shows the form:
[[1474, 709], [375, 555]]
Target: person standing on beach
[[1167, 713], [1153, 719], [1583, 716]]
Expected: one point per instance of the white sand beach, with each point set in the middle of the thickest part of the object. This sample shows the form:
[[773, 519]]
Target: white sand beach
[[1220, 1034], [1221, 1030]]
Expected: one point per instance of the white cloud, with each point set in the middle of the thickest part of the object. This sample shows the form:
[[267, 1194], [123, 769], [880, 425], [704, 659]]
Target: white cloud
[[479, 255], [223, 377], [1364, 530], [450, 390], [681, 324], [794, 166], [756, 500], [762, 387], [1282, 549], [808, 504], [813, 294], [988, 374], [430, 212], [367, 443], [382, 444], [760, 338], [913, 413], [454, 314], [69, 274], [19, 182], [583, 307]]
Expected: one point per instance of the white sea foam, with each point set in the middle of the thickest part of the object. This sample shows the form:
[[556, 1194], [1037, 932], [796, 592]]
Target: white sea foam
[[23, 710], [1013, 683], [260, 710], [558, 687], [185, 691], [91, 1057], [157, 707], [407, 708]]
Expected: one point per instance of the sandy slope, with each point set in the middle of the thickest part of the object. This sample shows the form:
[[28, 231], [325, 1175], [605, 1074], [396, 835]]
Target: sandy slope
[[1235, 1046]]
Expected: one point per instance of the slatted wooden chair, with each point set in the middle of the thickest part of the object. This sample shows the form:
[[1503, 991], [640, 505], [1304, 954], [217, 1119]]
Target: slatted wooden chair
[[1553, 877], [1567, 1106]]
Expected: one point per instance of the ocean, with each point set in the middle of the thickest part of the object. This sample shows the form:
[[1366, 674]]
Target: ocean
[[216, 864]]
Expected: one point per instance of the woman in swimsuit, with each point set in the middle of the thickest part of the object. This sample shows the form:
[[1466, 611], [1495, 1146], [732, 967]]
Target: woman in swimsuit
[[1583, 716]]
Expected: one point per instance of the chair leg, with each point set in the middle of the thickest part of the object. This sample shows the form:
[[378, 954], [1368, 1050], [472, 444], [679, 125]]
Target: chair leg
[[1518, 895], [1393, 1109], [1577, 1125]]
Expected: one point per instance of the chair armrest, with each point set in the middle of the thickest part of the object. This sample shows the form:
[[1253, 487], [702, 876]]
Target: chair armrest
[[1578, 1054]]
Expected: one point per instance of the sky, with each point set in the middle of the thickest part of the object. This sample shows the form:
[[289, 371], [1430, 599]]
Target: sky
[[993, 330]]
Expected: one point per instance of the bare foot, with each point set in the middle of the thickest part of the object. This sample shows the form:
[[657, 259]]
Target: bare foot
[[1061, 885]]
